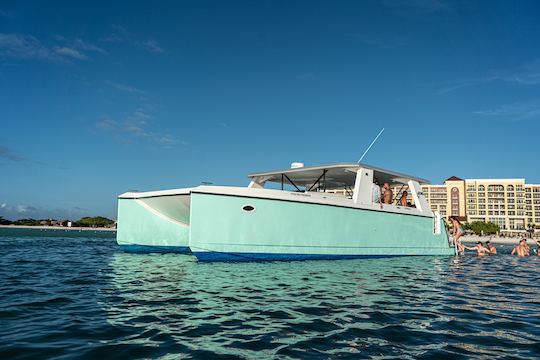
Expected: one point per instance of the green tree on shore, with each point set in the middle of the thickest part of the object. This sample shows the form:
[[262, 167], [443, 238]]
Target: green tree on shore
[[5, 221], [482, 228], [96, 221]]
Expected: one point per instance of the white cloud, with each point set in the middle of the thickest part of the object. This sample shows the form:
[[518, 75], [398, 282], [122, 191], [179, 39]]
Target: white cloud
[[526, 74], [516, 111], [18, 211], [138, 126], [69, 52], [126, 88], [21, 46], [121, 35]]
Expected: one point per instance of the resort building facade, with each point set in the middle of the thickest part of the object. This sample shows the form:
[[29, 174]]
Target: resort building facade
[[510, 203]]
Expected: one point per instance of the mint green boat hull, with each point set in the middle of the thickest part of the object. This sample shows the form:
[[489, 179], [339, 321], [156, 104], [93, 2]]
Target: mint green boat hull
[[143, 230], [283, 230]]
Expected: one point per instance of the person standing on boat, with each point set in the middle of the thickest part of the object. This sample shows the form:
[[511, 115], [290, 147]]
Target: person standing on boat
[[538, 249], [375, 192], [403, 199], [458, 232], [522, 249], [387, 195], [492, 249]]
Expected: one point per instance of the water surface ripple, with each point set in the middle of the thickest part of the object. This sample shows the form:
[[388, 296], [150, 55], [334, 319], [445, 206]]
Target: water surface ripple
[[83, 298]]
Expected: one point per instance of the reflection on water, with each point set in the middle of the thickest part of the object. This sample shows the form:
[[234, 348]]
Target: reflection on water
[[84, 298]]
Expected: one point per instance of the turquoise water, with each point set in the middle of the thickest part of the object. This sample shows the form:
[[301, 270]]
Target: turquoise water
[[66, 298]]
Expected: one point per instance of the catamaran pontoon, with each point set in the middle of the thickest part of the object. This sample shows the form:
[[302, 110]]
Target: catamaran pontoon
[[306, 221]]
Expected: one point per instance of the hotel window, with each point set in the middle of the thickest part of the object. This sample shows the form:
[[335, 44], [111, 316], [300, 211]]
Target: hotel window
[[502, 206], [520, 213], [511, 213], [510, 188], [481, 201], [511, 206], [490, 206], [481, 188], [510, 194], [472, 212], [471, 201], [519, 187], [510, 201], [502, 212], [481, 212], [481, 206], [490, 212], [520, 195]]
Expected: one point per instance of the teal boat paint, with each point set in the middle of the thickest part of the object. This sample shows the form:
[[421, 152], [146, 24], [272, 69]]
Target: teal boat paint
[[272, 228], [141, 227]]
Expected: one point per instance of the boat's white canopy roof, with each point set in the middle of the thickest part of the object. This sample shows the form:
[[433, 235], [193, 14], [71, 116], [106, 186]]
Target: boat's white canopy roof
[[337, 175]]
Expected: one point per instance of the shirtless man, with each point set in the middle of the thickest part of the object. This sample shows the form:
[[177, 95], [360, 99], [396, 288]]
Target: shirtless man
[[387, 195], [538, 250], [492, 249], [522, 249], [480, 249]]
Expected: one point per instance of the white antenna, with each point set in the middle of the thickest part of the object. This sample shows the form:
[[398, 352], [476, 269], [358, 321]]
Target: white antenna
[[370, 145]]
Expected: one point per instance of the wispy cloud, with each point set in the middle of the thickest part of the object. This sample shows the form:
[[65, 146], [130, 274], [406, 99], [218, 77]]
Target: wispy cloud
[[526, 74], [19, 211], [21, 46], [126, 88], [516, 111], [7, 154], [138, 126], [121, 35]]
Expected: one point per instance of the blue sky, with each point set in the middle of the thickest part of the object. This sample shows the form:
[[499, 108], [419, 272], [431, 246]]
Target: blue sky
[[103, 97]]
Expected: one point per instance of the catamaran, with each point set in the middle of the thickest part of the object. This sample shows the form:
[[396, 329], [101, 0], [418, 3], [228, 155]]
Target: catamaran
[[298, 213]]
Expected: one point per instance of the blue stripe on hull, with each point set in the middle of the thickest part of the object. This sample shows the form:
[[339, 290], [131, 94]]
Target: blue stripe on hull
[[155, 249], [236, 257]]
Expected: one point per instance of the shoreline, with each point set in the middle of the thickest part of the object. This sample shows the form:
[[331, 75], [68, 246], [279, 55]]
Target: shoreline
[[65, 228], [497, 239]]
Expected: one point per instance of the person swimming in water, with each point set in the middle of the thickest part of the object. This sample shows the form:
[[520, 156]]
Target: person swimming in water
[[458, 232], [479, 248], [522, 249], [492, 249]]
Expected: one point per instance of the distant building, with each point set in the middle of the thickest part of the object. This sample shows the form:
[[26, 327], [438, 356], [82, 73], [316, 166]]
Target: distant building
[[509, 203]]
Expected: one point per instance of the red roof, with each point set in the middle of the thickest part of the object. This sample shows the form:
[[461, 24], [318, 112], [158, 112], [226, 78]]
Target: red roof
[[453, 178]]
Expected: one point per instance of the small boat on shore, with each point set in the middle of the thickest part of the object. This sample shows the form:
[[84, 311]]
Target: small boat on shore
[[300, 218]]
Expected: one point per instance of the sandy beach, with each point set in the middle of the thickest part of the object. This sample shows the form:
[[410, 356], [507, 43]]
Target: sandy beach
[[59, 228]]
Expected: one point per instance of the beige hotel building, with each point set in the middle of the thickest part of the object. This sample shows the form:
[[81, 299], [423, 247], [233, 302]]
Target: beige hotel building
[[509, 203]]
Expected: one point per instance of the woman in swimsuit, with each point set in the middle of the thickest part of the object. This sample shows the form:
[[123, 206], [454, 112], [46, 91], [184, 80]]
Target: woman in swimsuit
[[458, 232]]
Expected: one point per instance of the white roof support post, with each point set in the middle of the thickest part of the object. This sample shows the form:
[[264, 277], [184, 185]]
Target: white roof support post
[[418, 196], [362, 193], [256, 183]]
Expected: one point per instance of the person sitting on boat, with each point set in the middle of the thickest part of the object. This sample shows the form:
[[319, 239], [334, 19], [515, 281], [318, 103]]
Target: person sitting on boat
[[492, 249], [459, 231], [387, 195], [538, 250], [480, 249], [522, 249], [403, 199]]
